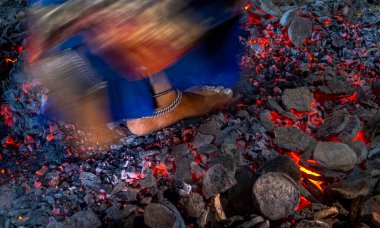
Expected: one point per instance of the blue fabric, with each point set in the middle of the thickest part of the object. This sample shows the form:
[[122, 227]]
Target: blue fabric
[[213, 62]]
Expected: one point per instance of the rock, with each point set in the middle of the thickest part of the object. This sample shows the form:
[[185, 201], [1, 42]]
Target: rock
[[360, 149], [270, 8], [282, 164], [331, 212], [201, 140], [183, 168], [217, 179], [370, 206], [336, 156], [337, 86], [194, 205], [293, 139], [275, 195], [299, 30], [288, 17], [90, 180], [273, 105], [351, 129], [7, 196], [298, 99], [333, 125], [312, 223], [119, 212], [83, 219], [349, 189], [240, 195], [158, 216]]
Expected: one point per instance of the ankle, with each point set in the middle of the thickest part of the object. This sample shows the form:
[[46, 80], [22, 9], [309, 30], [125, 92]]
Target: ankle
[[165, 100]]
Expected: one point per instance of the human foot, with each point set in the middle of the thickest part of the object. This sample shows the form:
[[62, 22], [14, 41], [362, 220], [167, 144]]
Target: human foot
[[192, 104]]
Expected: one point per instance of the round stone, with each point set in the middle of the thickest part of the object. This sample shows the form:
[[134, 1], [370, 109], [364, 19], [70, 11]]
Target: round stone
[[336, 156], [276, 195]]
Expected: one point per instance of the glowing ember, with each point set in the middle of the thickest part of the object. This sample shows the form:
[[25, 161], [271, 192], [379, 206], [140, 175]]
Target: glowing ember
[[361, 137], [6, 112], [160, 170], [318, 184], [303, 203], [304, 170]]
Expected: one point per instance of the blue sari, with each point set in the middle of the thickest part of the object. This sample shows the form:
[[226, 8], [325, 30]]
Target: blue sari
[[213, 62]]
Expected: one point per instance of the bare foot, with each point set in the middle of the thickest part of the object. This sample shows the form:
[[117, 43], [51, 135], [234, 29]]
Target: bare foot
[[192, 104]]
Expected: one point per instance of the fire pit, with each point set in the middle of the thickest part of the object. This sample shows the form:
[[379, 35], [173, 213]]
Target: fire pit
[[299, 146]]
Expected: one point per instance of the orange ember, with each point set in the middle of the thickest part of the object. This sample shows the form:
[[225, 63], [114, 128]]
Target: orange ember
[[303, 203], [361, 137], [160, 170], [318, 184]]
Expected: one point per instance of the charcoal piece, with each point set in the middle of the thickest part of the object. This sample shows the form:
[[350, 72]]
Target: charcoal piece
[[373, 125], [157, 215], [270, 8], [80, 219], [275, 195], [183, 168], [210, 127], [7, 196], [351, 129], [333, 125], [119, 212], [293, 139], [312, 223], [337, 86], [288, 17], [350, 189], [276, 107], [282, 164], [266, 121], [253, 222], [217, 179], [360, 149], [240, 195], [299, 30], [90, 180], [336, 156], [370, 206], [298, 99], [194, 205], [201, 140], [331, 212]]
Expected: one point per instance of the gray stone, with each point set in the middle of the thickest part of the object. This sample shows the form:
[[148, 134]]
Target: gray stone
[[370, 206], [83, 219], [217, 179], [349, 189], [283, 164], [276, 195], [312, 223], [298, 99], [273, 105], [119, 212], [201, 140], [351, 129], [288, 17], [293, 139], [299, 30], [158, 216], [7, 196], [90, 180], [240, 195], [360, 149], [194, 204], [183, 168], [333, 125], [337, 86], [270, 8], [336, 156]]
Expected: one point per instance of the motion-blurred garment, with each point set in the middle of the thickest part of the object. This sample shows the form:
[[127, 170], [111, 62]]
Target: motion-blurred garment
[[104, 50]]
